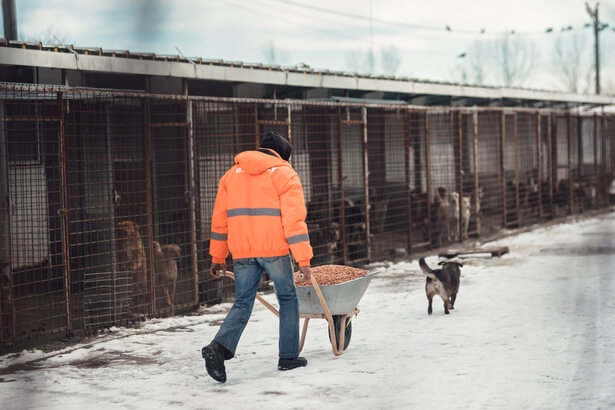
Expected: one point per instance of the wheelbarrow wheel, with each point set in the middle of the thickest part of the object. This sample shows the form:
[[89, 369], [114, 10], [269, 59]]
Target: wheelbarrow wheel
[[337, 324]]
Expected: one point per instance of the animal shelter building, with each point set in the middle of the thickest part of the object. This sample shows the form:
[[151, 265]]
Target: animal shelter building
[[110, 161]]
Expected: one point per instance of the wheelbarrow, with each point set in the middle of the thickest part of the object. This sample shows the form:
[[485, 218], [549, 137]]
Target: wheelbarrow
[[337, 304]]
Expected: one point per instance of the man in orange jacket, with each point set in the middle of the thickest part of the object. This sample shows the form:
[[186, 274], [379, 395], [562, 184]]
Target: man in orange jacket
[[258, 215]]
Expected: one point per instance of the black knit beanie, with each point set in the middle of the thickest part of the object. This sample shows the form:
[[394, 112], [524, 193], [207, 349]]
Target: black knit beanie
[[278, 143]]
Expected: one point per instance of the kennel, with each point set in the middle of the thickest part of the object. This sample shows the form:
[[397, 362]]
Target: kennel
[[74, 162]]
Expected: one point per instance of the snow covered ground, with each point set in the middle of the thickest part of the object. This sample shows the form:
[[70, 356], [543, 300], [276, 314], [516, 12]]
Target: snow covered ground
[[533, 329]]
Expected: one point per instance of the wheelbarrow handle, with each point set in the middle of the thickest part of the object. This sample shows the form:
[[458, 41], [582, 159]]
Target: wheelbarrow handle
[[259, 297]]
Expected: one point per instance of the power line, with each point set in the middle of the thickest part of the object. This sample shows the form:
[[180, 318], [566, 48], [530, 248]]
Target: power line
[[445, 28]]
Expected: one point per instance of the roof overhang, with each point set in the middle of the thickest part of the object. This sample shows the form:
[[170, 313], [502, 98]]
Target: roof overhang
[[276, 75]]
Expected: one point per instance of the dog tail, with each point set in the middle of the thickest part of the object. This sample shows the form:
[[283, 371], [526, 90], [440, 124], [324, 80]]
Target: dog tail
[[426, 269]]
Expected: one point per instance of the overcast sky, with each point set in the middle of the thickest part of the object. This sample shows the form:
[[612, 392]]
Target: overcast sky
[[337, 34]]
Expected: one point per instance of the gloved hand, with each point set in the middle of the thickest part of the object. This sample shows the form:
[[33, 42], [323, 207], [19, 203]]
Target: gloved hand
[[306, 271], [217, 270]]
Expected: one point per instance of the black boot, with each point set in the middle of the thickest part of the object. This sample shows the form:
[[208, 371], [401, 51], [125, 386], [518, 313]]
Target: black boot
[[214, 354], [289, 364]]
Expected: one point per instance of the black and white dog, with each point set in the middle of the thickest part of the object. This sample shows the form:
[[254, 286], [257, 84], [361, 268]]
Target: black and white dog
[[443, 282]]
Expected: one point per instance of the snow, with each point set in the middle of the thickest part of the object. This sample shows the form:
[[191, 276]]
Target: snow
[[533, 329]]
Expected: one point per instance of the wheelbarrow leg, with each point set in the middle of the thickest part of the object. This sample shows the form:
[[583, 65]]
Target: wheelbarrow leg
[[328, 316], [304, 332], [342, 334]]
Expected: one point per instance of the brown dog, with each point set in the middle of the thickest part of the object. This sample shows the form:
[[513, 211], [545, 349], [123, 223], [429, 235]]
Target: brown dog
[[132, 257], [443, 282], [165, 266]]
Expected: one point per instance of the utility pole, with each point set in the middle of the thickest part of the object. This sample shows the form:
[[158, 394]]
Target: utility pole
[[371, 56], [598, 27], [10, 19]]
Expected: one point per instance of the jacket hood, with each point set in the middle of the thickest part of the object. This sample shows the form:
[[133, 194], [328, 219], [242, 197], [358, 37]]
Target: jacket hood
[[254, 162]]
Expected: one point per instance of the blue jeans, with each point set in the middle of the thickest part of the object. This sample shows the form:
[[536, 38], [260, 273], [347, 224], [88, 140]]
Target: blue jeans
[[248, 274]]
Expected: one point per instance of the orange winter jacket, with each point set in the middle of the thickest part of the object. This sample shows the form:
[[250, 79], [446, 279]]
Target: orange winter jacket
[[260, 211]]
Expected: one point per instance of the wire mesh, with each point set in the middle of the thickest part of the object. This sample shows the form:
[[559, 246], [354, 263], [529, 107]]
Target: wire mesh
[[586, 188], [388, 153], [545, 180], [353, 150], [108, 212], [33, 299], [445, 197], [561, 165], [221, 130], [419, 200], [171, 194], [528, 178], [486, 194], [315, 158], [106, 197], [464, 204]]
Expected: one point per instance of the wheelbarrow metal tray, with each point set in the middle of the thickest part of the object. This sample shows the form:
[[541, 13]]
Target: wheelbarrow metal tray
[[341, 299]]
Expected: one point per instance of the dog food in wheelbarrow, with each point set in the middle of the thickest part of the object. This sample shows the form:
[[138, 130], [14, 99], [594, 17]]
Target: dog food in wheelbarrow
[[331, 275]]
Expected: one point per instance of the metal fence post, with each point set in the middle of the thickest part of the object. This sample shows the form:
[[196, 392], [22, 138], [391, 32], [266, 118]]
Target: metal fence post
[[428, 176], [64, 216], [550, 155], [538, 161], [408, 177], [502, 167], [476, 193], [340, 168], [148, 188], [595, 144], [7, 306], [569, 135], [366, 184], [517, 205], [256, 128], [190, 156], [289, 124]]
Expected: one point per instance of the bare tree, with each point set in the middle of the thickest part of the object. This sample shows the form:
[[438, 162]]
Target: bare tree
[[568, 60], [477, 60], [270, 53], [390, 60], [49, 36], [515, 60], [507, 61], [364, 61], [360, 61]]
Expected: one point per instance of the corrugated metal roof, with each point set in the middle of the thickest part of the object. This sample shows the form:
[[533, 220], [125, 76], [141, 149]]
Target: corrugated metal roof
[[97, 51], [22, 53]]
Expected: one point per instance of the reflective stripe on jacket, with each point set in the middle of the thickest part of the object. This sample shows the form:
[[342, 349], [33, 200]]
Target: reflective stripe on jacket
[[260, 211]]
